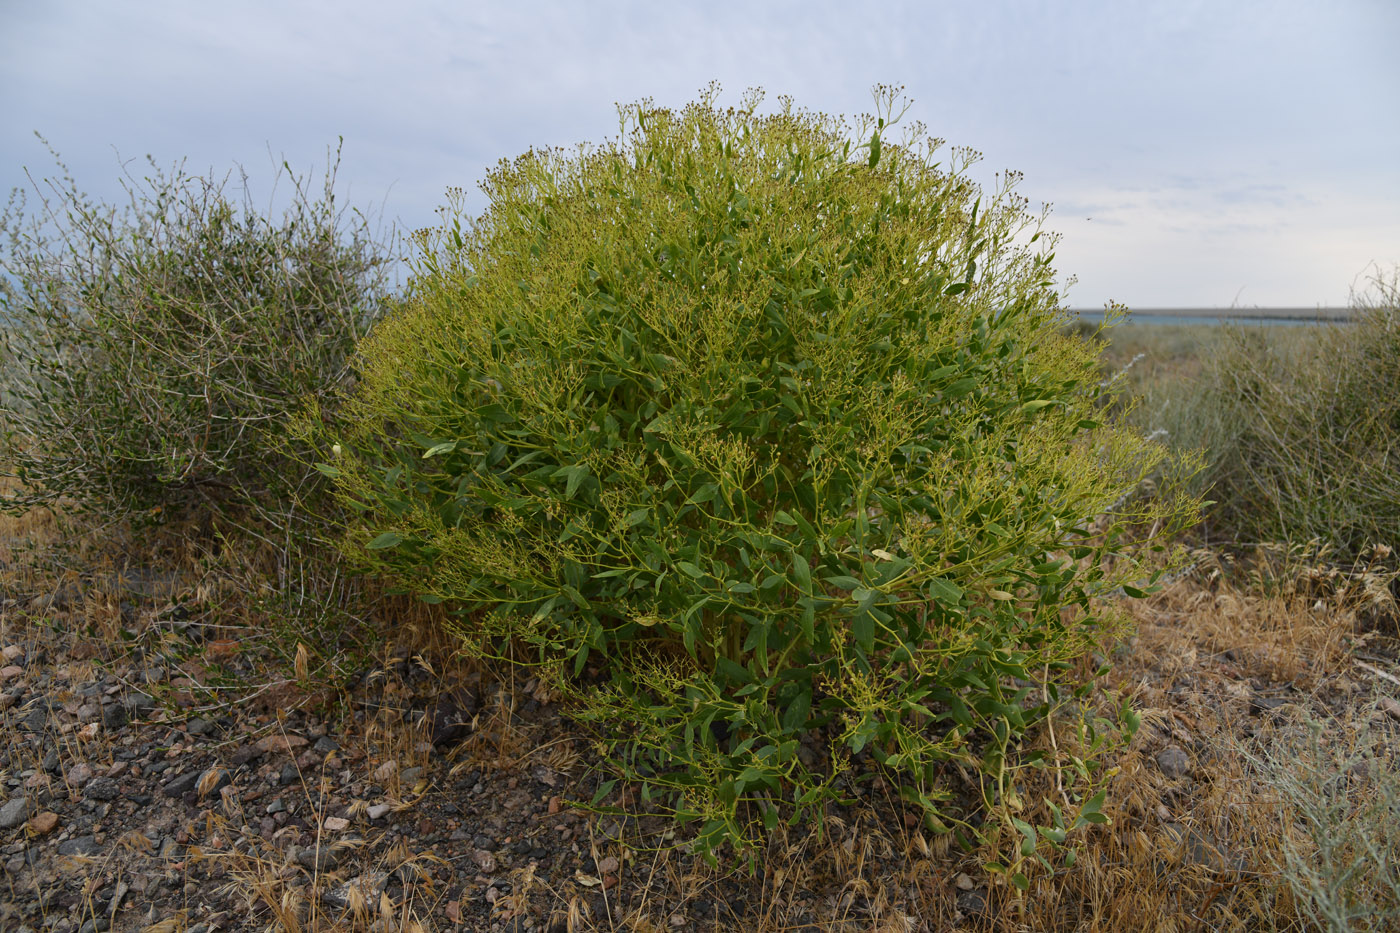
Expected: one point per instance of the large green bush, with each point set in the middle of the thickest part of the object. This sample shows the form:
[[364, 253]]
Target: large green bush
[[749, 434], [153, 352]]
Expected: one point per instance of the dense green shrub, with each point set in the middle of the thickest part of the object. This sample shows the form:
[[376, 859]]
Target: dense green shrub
[[1305, 439], [748, 434], [153, 353]]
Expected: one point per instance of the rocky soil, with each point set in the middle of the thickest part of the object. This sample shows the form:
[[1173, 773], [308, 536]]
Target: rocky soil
[[161, 775]]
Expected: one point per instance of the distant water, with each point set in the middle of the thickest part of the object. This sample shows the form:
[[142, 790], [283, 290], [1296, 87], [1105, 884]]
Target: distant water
[[1241, 316]]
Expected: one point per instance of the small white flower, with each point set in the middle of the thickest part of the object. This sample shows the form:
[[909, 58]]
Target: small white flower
[[335, 449]]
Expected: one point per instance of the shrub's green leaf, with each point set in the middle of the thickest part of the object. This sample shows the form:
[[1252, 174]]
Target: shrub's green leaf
[[961, 387], [576, 474], [945, 592], [863, 628], [735, 673], [802, 574], [386, 540]]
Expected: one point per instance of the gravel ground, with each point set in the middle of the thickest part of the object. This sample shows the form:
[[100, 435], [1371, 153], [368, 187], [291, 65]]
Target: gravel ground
[[164, 774], [130, 801]]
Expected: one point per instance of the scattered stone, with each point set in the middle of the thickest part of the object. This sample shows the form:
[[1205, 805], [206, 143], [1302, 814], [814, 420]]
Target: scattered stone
[[43, 824], [212, 781], [608, 865], [379, 811], [1173, 762], [243, 755], [14, 813], [10, 672], [409, 775], [451, 716], [114, 716], [318, 859], [326, 745], [386, 771], [1390, 706], [280, 743], [138, 704], [103, 788], [12, 653], [80, 845], [973, 903], [482, 841], [180, 785], [336, 824], [79, 774], [36, 719], [484, 860], [198, 726]]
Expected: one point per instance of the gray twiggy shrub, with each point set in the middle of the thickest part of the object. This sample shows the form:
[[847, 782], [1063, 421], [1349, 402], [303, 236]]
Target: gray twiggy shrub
[[748, 433], [1312, 447], [153, 351]]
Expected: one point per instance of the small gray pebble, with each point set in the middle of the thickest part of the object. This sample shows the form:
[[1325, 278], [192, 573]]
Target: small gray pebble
[[102, 788], [973, 903], [1173, 762], [178, 786], [137, 703], [318, 859], [114, 716], [14, 812], [80, 845]]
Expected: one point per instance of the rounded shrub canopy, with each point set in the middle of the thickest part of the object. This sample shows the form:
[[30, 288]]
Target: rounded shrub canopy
[[751, 432]]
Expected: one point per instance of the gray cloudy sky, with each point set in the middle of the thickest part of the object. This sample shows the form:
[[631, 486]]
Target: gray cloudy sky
[[1196, 154]]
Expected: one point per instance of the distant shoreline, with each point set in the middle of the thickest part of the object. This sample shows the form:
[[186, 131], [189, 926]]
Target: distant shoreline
[[1248, 314]]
